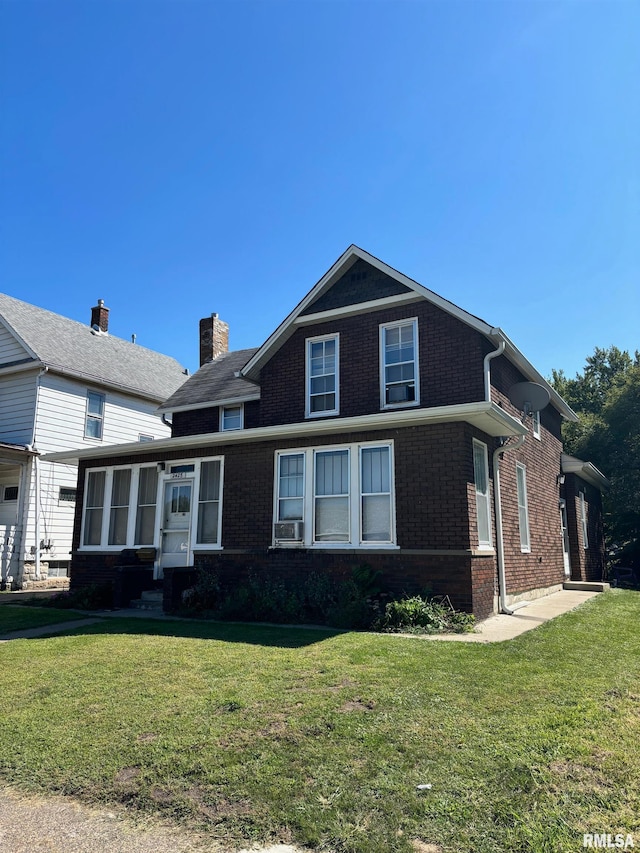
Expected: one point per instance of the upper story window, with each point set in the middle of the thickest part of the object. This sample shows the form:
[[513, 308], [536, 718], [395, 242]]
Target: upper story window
[[322, 376], [94, 421], [231, 417], [399, 373], [523, 507], [535, 421]]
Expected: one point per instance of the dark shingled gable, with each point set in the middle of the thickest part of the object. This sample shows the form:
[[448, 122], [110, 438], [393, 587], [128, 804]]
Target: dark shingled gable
[[215, 380], [362, 283]]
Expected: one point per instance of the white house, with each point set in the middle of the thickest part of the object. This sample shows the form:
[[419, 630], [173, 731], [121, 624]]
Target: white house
[[64, 385]]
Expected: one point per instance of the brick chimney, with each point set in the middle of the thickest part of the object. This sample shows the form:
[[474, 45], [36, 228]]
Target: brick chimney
[[100, 316], [214, 338]]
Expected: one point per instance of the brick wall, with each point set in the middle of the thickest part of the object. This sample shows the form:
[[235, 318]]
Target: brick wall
[[450, 355], [587, 564]]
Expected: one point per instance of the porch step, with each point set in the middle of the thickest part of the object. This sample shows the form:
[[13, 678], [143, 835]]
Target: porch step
[[150, 599], [587, 586]]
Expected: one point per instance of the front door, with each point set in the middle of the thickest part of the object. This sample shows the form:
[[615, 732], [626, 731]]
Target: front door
[[565, 538], [176, 524]]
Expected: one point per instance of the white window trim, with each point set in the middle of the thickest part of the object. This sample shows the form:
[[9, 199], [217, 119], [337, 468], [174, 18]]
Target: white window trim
[[355, 497], [381, 347], [163, 478], [535, 424], [483, 544], [524, 548], [307, 406], [93, 417], [231, 406], [583, 520]]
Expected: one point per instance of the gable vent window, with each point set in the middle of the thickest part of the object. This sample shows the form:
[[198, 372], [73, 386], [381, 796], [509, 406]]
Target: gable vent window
[[67, 494], [10, 493], [399, 375]]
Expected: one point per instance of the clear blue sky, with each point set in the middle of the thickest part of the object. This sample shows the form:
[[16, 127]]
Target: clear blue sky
[[178, 158]]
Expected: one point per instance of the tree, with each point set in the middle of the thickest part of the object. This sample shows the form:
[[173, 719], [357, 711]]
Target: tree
[[606, 397]]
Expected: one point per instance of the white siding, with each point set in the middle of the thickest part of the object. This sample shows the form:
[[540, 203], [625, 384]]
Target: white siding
[[56, 517], [17, 407], [10, 349], [62, 406]]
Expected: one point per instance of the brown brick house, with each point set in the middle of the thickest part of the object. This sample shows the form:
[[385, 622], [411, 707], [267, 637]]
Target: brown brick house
[[373, 426]]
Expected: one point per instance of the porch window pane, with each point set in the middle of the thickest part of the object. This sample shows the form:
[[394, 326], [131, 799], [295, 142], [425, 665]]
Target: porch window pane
[[146, 516], [332, 496], [94, 507], [209, 503], [119, 506]]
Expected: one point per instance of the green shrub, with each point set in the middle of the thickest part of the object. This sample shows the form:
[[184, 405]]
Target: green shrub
[[425, 616], [204, 594], [92, 597]]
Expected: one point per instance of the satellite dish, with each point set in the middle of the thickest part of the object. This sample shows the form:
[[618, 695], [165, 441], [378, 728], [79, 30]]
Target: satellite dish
[[529, 397]]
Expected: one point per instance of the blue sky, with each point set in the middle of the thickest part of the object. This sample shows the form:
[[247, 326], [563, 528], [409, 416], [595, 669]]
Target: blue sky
[[179, 158]]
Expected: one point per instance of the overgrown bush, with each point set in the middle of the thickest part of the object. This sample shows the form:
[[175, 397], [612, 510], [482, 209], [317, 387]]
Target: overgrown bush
[[425, 616], [205, 594]]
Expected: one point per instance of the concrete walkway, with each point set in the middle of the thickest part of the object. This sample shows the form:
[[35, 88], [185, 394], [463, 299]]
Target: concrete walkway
[[495, 629]]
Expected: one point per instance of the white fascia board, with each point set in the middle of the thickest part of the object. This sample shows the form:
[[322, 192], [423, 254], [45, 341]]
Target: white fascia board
[[586, 470], [487, 417], [226, 401], [21, 367], [358, 308]]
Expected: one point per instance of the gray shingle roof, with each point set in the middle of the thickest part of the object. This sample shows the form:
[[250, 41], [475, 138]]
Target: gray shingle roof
[[71, 347], [214, 383]]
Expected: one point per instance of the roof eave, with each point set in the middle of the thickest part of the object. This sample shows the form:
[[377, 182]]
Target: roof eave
[[488, 417], [586, 470]]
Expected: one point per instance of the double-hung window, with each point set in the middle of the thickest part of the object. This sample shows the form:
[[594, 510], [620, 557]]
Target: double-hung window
[[209, 498], [94, 422], [535, 424], [94, 507], [119, 516], [340, 495], [322, 376], [146, 509], [481, 478], [523, 507], [399, 375]]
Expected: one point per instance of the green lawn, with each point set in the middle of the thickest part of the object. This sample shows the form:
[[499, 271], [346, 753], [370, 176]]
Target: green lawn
[[323, 737], [16, 617]]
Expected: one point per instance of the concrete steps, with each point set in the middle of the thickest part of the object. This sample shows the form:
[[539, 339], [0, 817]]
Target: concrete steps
[[151, 599], [587, 586]]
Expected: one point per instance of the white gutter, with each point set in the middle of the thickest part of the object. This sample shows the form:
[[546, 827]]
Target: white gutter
[[487, 366], [502, 583]]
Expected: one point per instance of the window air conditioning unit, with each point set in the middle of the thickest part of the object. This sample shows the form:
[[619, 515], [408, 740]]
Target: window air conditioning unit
[[288, 531], [400, 393]]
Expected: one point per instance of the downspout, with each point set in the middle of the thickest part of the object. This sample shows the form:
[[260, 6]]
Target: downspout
[[487, 366], [502, 583]]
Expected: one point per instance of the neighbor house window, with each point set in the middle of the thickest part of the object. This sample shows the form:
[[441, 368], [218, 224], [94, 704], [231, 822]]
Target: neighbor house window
[[146, 508], [346, 491], [399, 364], [142, 437], [67, 494], [94, 507], [95, 415], [322, 376], [119, 515], [10, 493], [231, 417], [535, 419], [209, 503], [523, 509], [583, 520], [481, 478]]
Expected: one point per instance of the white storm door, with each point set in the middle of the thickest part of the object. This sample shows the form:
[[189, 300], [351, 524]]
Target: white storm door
[[176, 523]]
